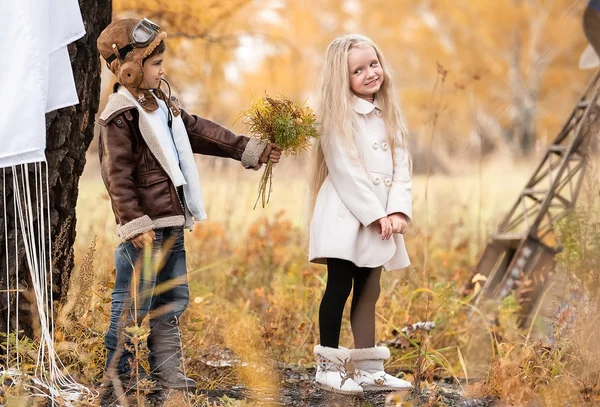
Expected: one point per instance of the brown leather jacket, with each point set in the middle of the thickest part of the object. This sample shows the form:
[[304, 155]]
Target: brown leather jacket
[[142, 195]]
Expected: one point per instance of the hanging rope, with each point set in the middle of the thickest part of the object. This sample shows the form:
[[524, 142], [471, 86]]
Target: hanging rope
[[50, 378]]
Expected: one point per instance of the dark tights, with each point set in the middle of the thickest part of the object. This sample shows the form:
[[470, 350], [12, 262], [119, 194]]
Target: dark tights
[[341, 274]]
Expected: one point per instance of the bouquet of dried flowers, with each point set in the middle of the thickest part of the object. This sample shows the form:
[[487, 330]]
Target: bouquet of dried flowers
[[279, 121]]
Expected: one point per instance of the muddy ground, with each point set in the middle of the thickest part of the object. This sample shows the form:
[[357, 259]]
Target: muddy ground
[[297, 390]]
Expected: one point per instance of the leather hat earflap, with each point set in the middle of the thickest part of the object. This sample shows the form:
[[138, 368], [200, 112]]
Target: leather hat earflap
[[131, 74]]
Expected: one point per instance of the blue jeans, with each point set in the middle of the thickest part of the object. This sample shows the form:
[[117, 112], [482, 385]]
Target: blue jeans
[[163, 293]]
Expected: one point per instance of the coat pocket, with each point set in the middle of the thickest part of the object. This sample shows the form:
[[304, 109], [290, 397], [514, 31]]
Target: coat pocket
[[149, 178], [343, 211], [334, 201], [154, 189]]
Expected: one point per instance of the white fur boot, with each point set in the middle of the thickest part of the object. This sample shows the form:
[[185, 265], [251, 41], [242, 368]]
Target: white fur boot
[[369, 373], [332, 374]]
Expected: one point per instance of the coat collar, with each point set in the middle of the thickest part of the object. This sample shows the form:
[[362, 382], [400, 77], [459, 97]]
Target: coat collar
[[363, 107]]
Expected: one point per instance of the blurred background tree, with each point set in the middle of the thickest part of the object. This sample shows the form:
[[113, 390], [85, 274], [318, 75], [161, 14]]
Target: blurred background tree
[[512, 65]]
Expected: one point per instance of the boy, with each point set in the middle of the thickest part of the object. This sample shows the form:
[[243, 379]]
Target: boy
[[147, 164]]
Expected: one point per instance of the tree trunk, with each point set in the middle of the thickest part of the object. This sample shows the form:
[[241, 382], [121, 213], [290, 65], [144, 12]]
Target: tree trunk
[[526, 68], [69, 132], [525, 90]]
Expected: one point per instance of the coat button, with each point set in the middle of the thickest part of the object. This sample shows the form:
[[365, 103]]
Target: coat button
[[376, 180], [375, 146], [384, 146], [378, 112], [388, 182]]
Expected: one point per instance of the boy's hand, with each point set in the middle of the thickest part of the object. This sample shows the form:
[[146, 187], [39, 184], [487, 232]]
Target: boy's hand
[[140, 240], [384, 227], [399, 222], [273, 152]]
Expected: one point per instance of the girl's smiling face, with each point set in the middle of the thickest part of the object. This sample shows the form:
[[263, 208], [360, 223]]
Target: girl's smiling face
[[366, 73], [153, 70]]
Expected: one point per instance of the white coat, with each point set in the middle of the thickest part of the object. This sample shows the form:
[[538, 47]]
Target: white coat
[[354, 196]]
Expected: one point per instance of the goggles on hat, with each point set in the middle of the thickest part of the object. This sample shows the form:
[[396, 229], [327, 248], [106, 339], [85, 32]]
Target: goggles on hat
[[141, 36], [143, 33]]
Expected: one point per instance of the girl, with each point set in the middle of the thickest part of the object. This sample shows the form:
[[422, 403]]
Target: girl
[[361, 201]]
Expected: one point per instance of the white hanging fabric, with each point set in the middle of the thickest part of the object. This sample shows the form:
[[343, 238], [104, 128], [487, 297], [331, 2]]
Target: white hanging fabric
[[36, 78], [36, 72], [24, 81], [589, 59], [66, 26]]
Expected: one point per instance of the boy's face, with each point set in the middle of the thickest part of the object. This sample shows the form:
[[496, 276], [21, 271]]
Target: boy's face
[[153, 70]]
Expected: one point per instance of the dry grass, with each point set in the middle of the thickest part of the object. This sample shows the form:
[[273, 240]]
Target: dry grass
[[254, 292]]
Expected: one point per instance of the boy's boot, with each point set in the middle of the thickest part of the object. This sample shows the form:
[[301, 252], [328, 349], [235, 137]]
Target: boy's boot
[[369, 373], [164, 343], [331, 371]]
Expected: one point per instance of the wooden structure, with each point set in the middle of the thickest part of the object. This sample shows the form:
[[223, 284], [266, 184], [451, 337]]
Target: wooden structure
[[521, 253]]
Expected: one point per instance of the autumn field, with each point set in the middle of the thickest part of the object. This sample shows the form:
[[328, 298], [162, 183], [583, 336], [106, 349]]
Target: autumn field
[[252, 321], [254, 296]]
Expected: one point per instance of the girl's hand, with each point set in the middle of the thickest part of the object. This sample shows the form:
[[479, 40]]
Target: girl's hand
[[140, 240], [399, 222], [384, 227], [272, 152]]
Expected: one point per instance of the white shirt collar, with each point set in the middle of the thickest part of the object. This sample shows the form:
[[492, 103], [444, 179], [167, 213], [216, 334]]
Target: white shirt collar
[[364, 107]]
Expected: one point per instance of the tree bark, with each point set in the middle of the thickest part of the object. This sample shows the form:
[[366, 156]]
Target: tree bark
[[69, 132]]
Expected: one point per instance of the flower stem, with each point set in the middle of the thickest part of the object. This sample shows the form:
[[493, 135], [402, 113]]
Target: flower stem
[[265, 179]]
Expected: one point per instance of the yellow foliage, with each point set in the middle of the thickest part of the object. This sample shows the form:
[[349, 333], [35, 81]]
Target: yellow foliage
[[512, 65]]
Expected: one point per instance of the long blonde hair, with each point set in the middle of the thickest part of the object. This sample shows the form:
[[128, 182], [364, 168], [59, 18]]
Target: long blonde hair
[[336, 114]]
